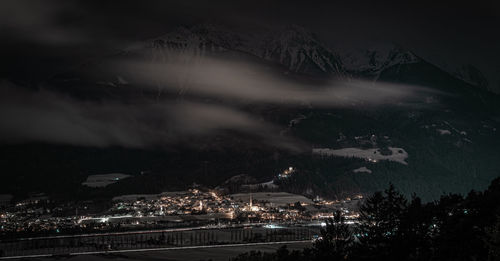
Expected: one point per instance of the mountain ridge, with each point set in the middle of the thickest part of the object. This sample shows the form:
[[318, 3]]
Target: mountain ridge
[[302, 52]]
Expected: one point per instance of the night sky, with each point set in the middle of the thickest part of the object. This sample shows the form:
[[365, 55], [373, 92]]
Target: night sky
[[42, 38]]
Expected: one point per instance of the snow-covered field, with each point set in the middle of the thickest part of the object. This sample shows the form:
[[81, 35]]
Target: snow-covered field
[[373, 155], [362, 169], [103, 180], [443, 131], [277, 198], [268, 185]]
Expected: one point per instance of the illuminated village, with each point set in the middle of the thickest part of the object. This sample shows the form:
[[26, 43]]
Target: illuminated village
[[194, 207]]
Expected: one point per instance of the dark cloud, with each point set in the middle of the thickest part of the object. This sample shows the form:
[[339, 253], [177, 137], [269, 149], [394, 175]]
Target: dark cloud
[[45, 116], [49, 117], [40, 22], [248, 82]]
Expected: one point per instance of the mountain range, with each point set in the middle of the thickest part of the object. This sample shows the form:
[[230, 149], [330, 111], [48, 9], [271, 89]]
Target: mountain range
[[443, 121], [301, 51]]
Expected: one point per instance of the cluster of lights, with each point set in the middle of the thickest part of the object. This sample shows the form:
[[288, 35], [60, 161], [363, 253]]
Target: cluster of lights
[[141, 211], [286, 173]]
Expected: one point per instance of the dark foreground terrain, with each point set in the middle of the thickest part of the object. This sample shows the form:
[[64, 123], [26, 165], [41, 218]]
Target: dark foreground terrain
[[201, 253]]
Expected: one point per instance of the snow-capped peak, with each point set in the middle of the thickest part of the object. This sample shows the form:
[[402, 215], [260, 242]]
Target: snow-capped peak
[[471, 75], [300, 51], [294, 47], [376, 58], [219, 35]]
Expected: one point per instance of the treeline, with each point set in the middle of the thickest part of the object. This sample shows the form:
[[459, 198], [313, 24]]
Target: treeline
[[394, 228]]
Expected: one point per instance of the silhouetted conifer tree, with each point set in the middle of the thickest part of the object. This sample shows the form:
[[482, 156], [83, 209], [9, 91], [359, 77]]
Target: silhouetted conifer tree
[[379, 222], [336, 240]]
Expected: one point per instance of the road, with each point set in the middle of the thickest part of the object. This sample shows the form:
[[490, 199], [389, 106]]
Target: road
[[212, 252]]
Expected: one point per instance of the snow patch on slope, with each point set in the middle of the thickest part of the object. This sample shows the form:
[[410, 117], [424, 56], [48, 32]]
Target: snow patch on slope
[[443, 131], [362, 169], [103, 180], [372, 155]]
